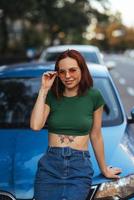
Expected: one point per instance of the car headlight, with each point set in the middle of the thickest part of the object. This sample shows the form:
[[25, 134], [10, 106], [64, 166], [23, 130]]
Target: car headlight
[[119, 189]]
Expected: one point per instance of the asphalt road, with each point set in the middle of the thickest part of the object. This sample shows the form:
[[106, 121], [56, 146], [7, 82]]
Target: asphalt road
[[123, 76]]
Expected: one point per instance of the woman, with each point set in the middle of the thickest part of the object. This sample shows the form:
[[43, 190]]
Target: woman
[[74, 112]]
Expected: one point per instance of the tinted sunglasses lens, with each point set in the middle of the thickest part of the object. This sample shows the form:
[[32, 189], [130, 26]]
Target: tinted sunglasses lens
[[72, 71]]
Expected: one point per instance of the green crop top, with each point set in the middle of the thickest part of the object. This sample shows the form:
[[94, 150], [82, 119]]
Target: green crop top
[[73, 115]]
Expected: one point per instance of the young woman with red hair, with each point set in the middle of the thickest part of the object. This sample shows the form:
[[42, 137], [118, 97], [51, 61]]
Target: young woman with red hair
[[73, 110]]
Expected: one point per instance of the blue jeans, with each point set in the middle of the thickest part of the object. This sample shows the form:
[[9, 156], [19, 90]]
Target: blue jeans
[[63, 174]]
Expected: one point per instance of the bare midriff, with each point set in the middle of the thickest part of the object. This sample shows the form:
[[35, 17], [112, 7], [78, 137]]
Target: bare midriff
[[75, 142]]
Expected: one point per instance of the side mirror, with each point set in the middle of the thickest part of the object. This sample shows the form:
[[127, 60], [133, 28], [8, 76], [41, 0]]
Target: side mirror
[[131, 119], [132, 113], [110, 64]]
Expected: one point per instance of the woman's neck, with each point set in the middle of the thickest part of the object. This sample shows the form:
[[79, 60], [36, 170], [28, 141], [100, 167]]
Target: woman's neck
[[70, 92]]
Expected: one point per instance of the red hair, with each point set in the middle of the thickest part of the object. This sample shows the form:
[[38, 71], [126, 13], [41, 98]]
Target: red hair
[[86, 79]]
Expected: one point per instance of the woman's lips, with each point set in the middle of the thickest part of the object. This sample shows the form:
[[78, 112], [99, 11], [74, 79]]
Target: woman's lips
[[68, 82]]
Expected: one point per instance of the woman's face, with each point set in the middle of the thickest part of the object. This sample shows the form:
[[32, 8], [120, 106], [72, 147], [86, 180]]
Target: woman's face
[[69, 72]]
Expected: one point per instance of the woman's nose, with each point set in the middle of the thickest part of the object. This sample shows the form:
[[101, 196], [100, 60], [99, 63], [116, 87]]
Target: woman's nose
[[67, 74]]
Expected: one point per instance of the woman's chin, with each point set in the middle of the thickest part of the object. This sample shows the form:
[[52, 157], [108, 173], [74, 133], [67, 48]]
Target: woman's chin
[[71, 86]]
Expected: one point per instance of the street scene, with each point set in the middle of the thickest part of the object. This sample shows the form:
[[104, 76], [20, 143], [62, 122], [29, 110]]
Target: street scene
[[66, 100], [123, 77]]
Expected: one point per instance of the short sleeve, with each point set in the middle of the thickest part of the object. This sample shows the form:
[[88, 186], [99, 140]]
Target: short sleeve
[[48, 99], [98, 99]]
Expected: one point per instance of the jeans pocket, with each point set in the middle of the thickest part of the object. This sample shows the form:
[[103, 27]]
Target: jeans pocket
[[89, 163], [42, 160]]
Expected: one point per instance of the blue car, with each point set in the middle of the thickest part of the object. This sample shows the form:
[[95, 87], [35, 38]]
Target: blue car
[[21, 147]]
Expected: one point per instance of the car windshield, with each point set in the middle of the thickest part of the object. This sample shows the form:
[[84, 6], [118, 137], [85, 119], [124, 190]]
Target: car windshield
[[89, 56], [18, 95]]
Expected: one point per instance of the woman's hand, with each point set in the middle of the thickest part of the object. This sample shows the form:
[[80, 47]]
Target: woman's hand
[[48, 79], [112, 172]]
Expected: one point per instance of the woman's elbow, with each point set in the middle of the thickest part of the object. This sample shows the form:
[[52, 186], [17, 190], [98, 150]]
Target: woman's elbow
[[95, 135], [35, 127]]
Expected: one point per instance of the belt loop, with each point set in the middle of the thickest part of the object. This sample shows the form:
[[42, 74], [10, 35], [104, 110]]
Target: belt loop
[[48, 149], [70, 152], [66, 151], [83, 154], [62, 151]]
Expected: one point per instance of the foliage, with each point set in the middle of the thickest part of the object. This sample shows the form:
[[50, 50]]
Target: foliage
[[62, 20], [117, 37], [48, 22]]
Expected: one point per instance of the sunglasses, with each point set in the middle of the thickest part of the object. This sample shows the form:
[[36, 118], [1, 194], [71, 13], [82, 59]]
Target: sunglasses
[[72, 71]]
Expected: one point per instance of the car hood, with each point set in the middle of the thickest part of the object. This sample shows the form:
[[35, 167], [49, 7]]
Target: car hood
[[21, 150], [117, 152]]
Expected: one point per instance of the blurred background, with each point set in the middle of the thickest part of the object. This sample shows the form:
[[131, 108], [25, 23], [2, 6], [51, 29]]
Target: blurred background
[[28, 27]]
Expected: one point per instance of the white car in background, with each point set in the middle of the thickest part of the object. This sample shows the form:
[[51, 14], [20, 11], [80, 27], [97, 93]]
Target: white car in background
[[91, 53]]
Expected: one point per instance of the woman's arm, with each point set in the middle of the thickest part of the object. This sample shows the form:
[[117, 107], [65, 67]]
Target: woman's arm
[[98, 146], [41, 110]]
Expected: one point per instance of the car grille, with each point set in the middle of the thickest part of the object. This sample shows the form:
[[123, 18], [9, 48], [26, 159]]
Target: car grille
[[6, 196]]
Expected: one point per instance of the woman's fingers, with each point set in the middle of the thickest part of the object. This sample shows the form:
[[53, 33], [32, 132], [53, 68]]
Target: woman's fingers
[[116, 176], [48, 79], [50, 74], [113, 172], [116, 169]]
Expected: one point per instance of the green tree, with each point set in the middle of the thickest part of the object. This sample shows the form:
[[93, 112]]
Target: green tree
[[66, 20], [12, 10]]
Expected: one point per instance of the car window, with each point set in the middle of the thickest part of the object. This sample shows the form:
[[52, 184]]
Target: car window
[[89, 56], [17, 97], [51, 56], [112, 114]]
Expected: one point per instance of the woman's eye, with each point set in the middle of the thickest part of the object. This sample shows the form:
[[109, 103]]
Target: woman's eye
[[72, 70], [61, 72]]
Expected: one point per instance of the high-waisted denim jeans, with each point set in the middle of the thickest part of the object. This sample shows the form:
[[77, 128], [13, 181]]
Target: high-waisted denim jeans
[[63, 174]]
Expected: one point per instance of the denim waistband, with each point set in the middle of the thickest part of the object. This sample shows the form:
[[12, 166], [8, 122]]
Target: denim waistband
[[67, 151]]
